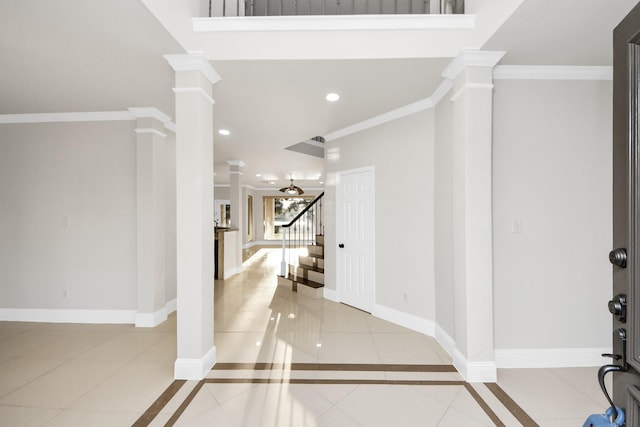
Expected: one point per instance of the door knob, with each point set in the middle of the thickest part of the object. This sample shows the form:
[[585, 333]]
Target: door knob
[[618, 307], [341, 245], [618, 257]]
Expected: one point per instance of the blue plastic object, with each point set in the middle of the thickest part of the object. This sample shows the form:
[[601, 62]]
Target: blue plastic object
[[604, 420]]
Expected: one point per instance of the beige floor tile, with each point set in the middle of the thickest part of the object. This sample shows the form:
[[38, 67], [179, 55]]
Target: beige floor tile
[[63, 385], [225, 392], [69, 345], [383, 406], [334, 417], [348, 348], [17, 372], [123, 347], [276, 405], [202, 403], [69, 418], [163, 350], [133, 388], [545, 395], [409, 348], [19, 416]]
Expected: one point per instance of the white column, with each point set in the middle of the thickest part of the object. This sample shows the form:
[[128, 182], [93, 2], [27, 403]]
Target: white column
[[151, 133], [194, 214], [237, 209], [472, 76], [237, 202]]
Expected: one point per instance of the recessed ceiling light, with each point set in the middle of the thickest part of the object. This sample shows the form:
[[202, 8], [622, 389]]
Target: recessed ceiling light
[[224, 132], [332, 97], [258, 174]]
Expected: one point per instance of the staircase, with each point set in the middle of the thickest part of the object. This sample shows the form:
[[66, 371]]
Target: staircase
[[306, 275], [302, 267]]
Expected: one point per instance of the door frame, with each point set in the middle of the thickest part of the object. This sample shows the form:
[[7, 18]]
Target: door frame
[[626, 208], [339, 235]]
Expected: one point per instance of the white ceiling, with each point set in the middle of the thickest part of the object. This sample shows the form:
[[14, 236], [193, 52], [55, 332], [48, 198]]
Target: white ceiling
[[91, 55]]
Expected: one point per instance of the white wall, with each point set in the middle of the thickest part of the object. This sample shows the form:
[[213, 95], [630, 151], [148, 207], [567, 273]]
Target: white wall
[[552, 175], [170, 218], [402, 152], [68, 215], [443, 216]]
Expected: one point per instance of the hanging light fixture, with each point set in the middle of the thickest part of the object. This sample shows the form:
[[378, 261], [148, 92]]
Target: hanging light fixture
[[292, 189]]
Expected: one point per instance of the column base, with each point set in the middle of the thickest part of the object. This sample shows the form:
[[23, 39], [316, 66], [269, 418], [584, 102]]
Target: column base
[[475, 372], [194, 369]]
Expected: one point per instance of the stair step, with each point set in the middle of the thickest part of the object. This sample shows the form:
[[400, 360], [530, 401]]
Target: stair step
[[316, 250], [309, 273], [306, 282], [311, 261]]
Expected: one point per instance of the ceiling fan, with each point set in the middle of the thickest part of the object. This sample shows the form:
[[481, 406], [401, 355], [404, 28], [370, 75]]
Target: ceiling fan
[[292, 189]]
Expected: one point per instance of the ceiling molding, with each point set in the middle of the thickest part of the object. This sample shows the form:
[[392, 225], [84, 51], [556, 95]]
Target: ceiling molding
[[552, 72], [150, 130], [398, 113], [333, 23], [96, 116], [90, 116], [471, 58], [193, 61]]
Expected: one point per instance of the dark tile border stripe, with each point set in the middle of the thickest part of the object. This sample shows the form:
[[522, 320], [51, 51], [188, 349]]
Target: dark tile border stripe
[[155, 408], [511, 405], [172, 390], [356, 367], [328, 381], [183, 406], [485, 407]]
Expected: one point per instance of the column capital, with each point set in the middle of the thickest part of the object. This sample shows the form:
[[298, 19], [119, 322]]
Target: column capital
[[153, 113], [193, 61], [471, 58], [238, 163]]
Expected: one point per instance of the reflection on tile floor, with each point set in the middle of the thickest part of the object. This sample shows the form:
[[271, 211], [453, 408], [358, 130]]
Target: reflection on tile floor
[[109, 375]]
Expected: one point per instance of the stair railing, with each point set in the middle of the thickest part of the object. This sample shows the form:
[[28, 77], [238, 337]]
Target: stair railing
[[332, 7], [301, 232]]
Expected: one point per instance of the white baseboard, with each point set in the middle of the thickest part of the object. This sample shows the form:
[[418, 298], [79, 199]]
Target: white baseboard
[[54, 315], [331, 294], [194, 369], [228, 272], [51, 315], [475, 372], [407, 320], [151, 320], [445, 340], [550, 357]]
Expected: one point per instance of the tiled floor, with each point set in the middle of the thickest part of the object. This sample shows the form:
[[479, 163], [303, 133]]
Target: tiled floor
[[109, 375]]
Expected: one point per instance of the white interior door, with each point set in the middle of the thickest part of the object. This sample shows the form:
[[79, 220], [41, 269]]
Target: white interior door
[[355, 237]]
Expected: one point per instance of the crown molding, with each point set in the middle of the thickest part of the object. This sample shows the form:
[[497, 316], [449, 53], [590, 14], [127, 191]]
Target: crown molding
[[471, 58], [398, 113], [333, 23], [193, 61], [552, 72], [88, 116], [238, 163], [150, 130]]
